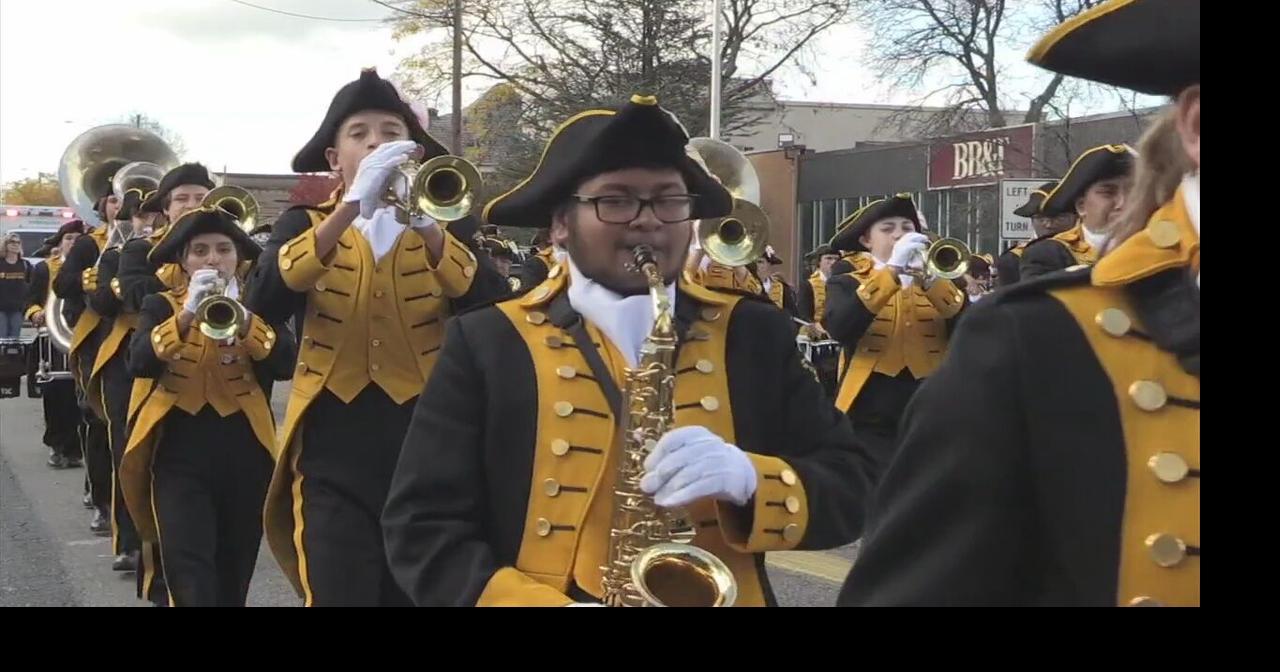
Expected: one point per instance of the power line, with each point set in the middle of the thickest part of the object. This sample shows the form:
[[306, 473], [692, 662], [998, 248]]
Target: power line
[[302, 16]]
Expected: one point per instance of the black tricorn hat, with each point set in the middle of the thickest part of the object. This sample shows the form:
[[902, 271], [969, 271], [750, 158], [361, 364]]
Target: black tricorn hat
[[369, 92], [854, 226], [640, 133], [1104, 162], [73, 226], [202, 220], [187, 173], [1150, 46], [1032, 207]]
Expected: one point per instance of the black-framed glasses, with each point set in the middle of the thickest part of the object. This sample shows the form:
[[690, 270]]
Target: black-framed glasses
[[617, 209]]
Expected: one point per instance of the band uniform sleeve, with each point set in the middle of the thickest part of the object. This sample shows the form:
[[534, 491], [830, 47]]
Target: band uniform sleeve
[[147, 356], [432, 523], [37, 289], [789, 301], [282, 355], [1044, 257], [847, 316], [457, 267], [805, 300], [68, 284], [952, 503], [946, 298], [137, 275], [814, 480], [1007, 269], [103, 299], [267, 294]]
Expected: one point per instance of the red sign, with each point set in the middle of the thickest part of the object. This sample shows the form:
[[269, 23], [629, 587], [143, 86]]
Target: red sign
[[981, 158]]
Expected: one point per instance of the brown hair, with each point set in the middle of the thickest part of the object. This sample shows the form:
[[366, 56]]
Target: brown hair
[[1161, 164]]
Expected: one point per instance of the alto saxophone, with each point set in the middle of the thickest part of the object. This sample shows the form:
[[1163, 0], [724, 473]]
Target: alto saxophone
[[651, 561]]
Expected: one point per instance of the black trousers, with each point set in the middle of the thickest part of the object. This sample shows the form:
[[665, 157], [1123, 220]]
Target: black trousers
[[93, 433], [117, 386], [349, 453], [209, 482], [62, 418], [878, 408]]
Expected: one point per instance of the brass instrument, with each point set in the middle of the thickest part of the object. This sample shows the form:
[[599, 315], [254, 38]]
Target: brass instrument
[[237, 202], [444, 188], [220, 317], [651, 561], [740, 238], [946, 259], [86, 173]]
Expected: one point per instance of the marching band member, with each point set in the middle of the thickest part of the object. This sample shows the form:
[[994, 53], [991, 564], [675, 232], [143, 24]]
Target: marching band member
[[201, 452], [504, 491], [369, 297], [1054, 459], [62, 414]]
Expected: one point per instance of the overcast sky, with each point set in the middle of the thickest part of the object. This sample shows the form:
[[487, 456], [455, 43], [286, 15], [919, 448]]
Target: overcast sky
[[243, 87]]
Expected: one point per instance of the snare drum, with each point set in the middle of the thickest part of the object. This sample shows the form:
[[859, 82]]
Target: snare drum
[[51, 363], [825, 357]]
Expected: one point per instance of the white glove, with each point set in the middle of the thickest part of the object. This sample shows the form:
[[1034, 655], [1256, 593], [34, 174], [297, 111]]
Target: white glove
[[371, 177], [909, 251], [691, 463], [202, 282]]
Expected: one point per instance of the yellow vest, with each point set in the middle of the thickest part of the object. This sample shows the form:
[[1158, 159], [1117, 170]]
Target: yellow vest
[[909, 330]]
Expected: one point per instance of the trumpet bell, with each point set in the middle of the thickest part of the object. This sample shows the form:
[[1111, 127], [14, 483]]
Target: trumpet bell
[[738, 239], [443, 188], [220, 317], [947, 258]]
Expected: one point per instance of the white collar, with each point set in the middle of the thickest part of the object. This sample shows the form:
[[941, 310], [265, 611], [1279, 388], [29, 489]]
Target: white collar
[[625, 320], [381, 231], [1095, 240]]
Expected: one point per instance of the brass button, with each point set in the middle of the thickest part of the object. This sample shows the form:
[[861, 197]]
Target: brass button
[[177, 357], [791, 533], [286, 263], [559, 447], [468, 271], [1148, 395], [566, 372], [543, 527], [302, 367], [284, 249], [536, 317], [959, 297], [908, 323], [555, 272], [320, 286], [705, 366], [540, 293], [378, 293], [1164, 234], [375, 342], [710, 314], [1168, 467], [551, 487], [307, 340], [698, 335], [1114, 321], [1166, 549], [553, 341], [793, 504], [788, 477], [374, 367], [710, 403], [156, 338], [1145, 601], [564, 409]]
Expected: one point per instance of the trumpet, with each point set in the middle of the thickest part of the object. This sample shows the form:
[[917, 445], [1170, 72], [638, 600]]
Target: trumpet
[[945, 259], [220, 317], [444, 189]]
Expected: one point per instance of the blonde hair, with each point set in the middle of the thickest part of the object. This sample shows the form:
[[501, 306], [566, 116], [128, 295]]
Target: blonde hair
[[1162, 163]]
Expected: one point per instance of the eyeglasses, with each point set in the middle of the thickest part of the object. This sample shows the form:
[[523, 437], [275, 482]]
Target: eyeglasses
[[671, 209]]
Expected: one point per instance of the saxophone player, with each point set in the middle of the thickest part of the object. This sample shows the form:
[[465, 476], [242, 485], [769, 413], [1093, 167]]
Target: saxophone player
[[504, 490]]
